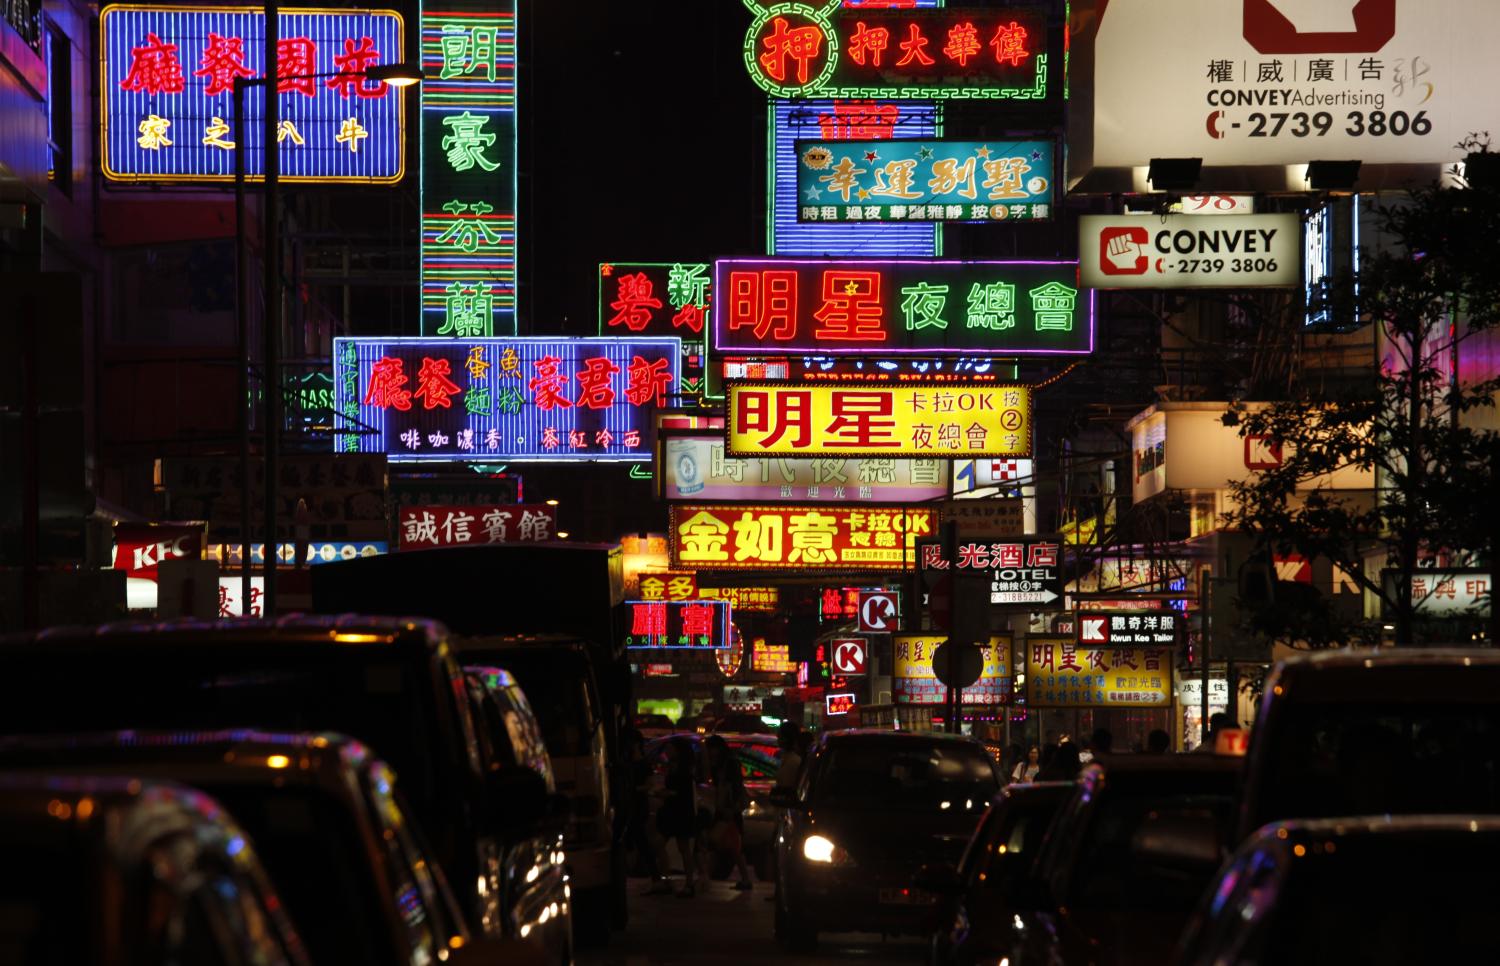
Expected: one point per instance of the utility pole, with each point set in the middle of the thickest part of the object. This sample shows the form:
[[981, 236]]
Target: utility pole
[[272, 245]]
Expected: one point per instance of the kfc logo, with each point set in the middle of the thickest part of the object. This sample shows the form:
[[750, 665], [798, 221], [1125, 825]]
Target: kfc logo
[[1122, 251], [1319, 26]]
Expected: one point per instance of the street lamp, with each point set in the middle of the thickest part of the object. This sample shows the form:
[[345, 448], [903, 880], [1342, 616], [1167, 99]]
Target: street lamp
[[396, 75]]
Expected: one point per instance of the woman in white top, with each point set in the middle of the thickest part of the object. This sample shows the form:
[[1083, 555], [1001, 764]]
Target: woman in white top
[[1025, 771]]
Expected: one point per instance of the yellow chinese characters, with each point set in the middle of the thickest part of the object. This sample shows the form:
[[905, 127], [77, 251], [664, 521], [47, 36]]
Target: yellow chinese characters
[[351, 132], [153, 132], [793, 537]]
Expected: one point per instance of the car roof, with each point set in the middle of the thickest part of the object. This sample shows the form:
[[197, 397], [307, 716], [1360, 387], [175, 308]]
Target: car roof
[[231, 755], [887, 735], [296, 629], [1367, 826], [1401, 674]]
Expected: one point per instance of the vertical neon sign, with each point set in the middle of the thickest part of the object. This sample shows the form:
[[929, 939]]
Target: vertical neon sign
[[469, 169]]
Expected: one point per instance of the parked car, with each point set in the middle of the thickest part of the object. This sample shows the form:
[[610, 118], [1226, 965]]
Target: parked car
[[1125, 860], [535, 879], [990, 883], [872, 809], [557, 676], [1374, 890], [1375, 732], [102, 870], [390, 683], [355, 874]]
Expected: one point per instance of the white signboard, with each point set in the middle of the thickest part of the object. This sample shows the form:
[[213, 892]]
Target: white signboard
[[1204, 251], [1282, 82]]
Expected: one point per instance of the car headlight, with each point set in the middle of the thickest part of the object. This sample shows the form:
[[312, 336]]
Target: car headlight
[[816, 848]]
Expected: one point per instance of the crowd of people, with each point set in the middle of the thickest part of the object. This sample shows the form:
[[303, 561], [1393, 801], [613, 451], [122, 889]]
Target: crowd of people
[[1061, 759]]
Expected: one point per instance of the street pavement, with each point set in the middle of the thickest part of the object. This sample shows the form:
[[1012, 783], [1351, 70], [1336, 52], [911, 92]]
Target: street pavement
[[721, 925]]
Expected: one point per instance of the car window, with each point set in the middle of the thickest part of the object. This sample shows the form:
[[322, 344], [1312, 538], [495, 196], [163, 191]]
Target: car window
[[1015, 841], [414, 890], [1148, 850], [559, 695], [1399, 760], [905, 775], [525, 732]]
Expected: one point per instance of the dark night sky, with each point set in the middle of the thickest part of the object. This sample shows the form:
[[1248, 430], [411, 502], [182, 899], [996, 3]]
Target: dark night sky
[[628, 106]]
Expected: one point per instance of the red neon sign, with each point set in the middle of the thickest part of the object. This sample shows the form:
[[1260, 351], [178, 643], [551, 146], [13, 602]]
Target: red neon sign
[[837, 704]]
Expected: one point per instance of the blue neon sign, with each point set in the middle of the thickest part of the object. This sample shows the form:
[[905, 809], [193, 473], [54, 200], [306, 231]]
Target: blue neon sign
[[167, 112], [517, 398]]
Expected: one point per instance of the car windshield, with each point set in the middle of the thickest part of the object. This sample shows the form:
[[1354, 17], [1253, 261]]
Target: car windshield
[[881, 775], [1013, 841], [556, 685], [1324, 914], [1398, 760]]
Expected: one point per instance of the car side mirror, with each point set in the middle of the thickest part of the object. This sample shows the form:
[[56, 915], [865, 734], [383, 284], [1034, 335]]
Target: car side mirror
[[940, 878], [497, 952], [784, 798]]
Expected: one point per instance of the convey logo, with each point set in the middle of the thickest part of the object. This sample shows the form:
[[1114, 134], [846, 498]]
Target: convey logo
[[1319, 26], [1122, 250]]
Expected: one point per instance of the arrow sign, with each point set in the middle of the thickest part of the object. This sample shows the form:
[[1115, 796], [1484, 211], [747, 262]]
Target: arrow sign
[[850, 655], [877, 612], [1092, 630]]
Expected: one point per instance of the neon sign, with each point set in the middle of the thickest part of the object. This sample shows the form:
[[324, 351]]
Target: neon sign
[[842, 120], [502, 399], [167, 76], [775, 419], [682, 585], [469, 168], [812, 48], [901, 307], [660, 298], [457, 526], [720, 537], [924, 180], [677, 624], [695, 468], [837, 704]]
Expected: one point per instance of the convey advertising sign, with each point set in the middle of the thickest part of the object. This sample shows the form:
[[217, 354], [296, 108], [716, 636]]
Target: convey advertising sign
[[695, 468], [951, 419], [1198, 251], [913, 680], [1281, 82], [797, 537], [924, 180], [1060, 674]]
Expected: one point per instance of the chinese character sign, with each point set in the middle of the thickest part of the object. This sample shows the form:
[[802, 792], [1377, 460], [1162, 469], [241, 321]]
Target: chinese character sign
[[913, 680], [505, 398], [695, 468], [718, 537], [946, 420], [455, 526], [167, 73], [924, 180], [468, 168], [1060, 674], [1111, 629], [771, 658], [683, 585], [901, 307], [1022, 571], [808, 48], [660, 299], [677, 624]]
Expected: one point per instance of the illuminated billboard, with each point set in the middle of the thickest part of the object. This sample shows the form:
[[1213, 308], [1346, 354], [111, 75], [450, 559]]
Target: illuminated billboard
[[660, 298], [716, 537], [502, 399], [683, 585], [685, 625], [1061, 674], [901, 307], [913, 680], [949, 419], [457, 526], [166, 81], [469, 168], [815, 48], [695, 468], [929, 179]]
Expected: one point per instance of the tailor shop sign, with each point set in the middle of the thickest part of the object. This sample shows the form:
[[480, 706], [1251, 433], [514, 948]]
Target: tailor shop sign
[[1190, 251]]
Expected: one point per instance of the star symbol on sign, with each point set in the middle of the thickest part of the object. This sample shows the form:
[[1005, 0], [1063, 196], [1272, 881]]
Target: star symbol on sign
[[852, 288], [863, 194], [1036, 155], [871, 157], [814, 193], [983, 152], [924, 153]]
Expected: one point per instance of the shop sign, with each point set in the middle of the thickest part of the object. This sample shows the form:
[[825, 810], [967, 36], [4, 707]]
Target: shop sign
[[913, 680], [469, 168], [688, 625], [1176, 251], [1022, 571], [671, 585], [167, 73], [837, 704], [815, 48], [660, 299], [992, 517], [771, 419], [345, 490], [1007, 473], [318, 552], [231, 601], [714, 537], [1106, 629], [454, 526], [1275, 82], [771, 658], [1446, 593], [695, 468], [924, 180], [1061, 674], [540, 399], [848, 655], [900, 307], [139, 548]]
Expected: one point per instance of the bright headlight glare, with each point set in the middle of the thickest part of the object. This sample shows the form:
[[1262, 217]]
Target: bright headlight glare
[[816, 848]]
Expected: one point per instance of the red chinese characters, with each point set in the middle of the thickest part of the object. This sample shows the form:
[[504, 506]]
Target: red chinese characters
[[154, 68], [633, 302], [792, 412], [915, 47], [385, 386], [862, 420], [648, 381], [1010, 44], [764, 302], [800, 45], [434, 387], [352, 63], [223, 60], [851, 307], [648, 619], [963, 43], [296, 62], [868, 42], [548, 385], [595, 391], [698, 621]]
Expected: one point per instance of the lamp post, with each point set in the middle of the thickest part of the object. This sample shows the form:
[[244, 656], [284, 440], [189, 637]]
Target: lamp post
[[396, 75]]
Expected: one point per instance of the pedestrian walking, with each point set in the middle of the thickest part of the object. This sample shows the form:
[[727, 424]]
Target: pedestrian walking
[[637, 836], [727, 833], [1026, 771], [1157, 742], [787, 738], [677, 819], [1064, 765]]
